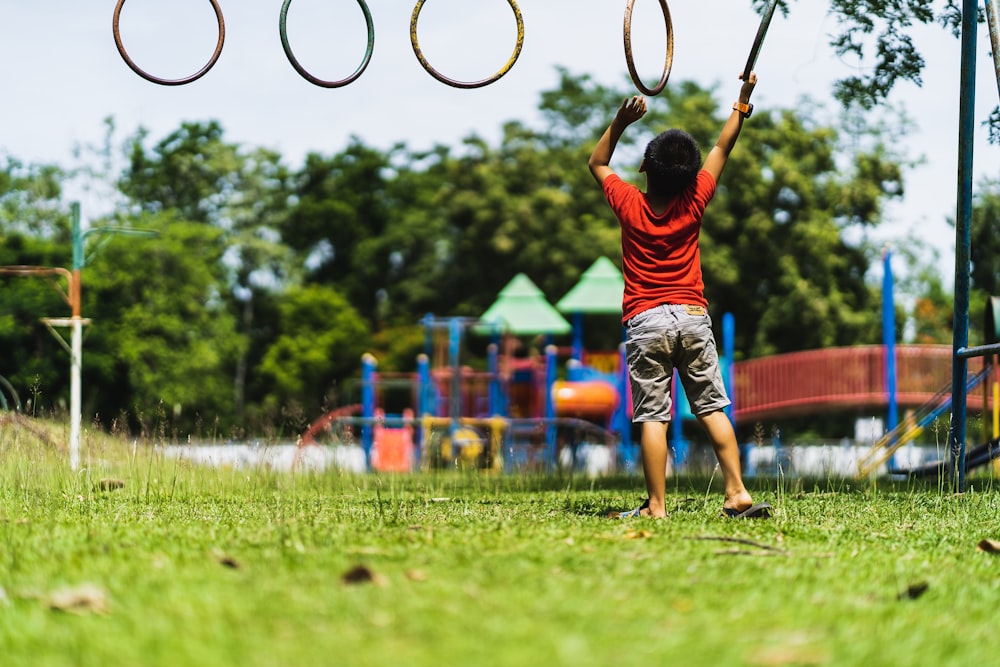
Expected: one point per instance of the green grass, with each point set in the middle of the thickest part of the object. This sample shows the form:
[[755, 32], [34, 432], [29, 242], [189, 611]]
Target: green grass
[[200, 566]]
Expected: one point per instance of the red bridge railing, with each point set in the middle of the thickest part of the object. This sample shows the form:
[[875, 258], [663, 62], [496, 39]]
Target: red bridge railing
[[843, 378]]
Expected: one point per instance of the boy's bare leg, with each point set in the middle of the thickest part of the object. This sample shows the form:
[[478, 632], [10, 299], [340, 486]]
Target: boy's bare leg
[[654, 465], [727, 451]]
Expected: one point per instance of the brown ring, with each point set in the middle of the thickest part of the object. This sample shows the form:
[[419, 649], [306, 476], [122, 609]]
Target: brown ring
[[169, 82], [630, 60]]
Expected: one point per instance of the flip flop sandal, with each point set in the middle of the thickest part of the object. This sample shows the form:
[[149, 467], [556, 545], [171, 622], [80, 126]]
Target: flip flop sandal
[[631, 514], [757, 511]]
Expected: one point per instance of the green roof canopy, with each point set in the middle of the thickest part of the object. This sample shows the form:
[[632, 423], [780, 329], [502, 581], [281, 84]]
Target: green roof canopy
[[599, 290], [522, 309]]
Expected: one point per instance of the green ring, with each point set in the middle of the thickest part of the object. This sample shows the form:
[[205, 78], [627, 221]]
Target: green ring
[[283, 31]]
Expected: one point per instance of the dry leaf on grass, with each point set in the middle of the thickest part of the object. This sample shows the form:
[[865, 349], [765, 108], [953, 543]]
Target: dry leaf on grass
[[225, 559], [360, 574], [85, 598], [638, 534], [109, 485], [779, 656], [989, 546], [913, 591]]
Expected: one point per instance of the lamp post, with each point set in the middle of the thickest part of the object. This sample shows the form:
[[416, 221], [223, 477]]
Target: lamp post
[[75, 322]]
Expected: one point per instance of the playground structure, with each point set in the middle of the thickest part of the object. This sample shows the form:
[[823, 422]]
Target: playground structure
[[517, 413], [524, 416], [523, 411]]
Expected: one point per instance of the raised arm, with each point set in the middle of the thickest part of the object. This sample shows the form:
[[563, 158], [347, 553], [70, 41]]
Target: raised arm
[[719, 155], [631, 110]]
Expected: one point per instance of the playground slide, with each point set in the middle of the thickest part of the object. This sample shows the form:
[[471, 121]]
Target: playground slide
[[906, 431], [974, 458], [593, 399]]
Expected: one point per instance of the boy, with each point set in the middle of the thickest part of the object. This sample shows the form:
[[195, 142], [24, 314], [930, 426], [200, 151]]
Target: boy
[[664, 307]]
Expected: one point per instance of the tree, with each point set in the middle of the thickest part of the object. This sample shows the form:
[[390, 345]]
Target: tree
[[875, 31], [321, 340], [242, 192], [30, 201], [985, 233], [343, 206], [444, 231], [34, 231], [927, 308], [984, 251], [775, 251], [162, 341]]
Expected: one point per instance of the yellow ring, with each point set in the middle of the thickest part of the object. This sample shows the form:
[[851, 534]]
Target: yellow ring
[[466, 84]]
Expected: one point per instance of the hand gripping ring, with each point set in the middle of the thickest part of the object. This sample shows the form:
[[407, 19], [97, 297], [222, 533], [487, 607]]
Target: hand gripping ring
[[465, 84], [170, 82], [630, 60], [283, 30]]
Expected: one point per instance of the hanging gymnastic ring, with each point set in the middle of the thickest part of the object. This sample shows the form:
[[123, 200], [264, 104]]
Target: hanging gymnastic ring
[[283, 30], [758, 41], [170, 82], [630, 60], [466, 84]]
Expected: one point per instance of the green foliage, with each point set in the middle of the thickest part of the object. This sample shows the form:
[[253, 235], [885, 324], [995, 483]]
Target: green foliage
[[877, 34], [160, 330], [341, 221], [985, 232], [30, 358], [321, 338], [184, 171], [875, 31], [29, 200], [931, 317]]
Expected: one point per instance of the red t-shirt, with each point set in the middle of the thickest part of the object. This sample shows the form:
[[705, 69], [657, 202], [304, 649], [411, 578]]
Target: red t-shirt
[[661, 261]]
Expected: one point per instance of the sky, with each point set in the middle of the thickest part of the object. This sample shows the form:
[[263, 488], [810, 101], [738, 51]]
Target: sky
[[63, 75]]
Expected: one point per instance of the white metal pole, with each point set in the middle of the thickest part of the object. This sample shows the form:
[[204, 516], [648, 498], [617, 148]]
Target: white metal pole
[[76, 357]]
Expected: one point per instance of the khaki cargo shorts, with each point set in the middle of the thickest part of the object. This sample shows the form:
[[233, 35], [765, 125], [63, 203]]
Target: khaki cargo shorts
[[670, 337]]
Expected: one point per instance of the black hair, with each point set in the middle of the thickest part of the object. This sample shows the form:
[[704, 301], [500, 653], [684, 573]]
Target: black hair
[[672, 161]]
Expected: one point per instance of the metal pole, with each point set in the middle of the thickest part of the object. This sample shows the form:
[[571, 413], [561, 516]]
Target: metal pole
[[578, 336], [368, 365], [493, 365], [454, 362], [625, 408], [76, 345], [550, 406], [889, 339], [963, 243], [76, 342], [729, 354]]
